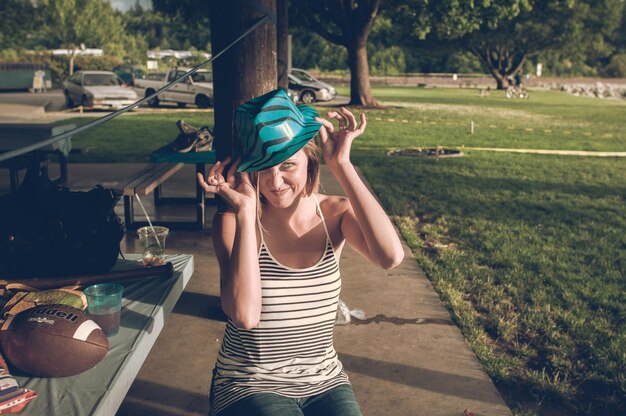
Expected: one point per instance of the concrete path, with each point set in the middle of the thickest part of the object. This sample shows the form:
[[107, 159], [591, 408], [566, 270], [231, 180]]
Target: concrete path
[[404, 358]]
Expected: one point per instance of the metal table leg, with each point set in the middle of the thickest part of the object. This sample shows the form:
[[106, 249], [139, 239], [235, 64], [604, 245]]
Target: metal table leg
[[200, 198]]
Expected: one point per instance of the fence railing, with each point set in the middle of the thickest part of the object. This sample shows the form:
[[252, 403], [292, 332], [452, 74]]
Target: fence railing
[[419, 79]]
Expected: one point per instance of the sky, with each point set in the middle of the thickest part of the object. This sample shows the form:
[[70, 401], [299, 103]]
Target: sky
[[124, 5]]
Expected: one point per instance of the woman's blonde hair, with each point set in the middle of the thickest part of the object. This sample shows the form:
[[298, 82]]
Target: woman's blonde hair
[[312, 152], [313, 155]]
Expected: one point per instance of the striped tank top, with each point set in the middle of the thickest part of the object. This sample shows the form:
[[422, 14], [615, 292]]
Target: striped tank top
[[290, 352]]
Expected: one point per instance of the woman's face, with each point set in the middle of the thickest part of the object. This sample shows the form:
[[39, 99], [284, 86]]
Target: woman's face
[[282, 185]]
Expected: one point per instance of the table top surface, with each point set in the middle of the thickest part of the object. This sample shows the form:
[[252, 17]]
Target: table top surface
[[146, 306], [166, 154], [22, 135]]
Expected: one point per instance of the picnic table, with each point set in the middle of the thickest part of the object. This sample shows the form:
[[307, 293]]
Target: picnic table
[[146, 306], [19, 135]]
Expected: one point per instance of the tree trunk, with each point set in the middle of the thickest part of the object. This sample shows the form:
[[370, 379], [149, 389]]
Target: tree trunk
[[501, 69], [245, 71], [501, 80], [360, 89], [282, 43], [71, 63]]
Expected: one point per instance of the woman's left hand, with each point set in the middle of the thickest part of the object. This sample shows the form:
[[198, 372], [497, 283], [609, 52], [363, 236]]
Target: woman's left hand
[[336, 144]]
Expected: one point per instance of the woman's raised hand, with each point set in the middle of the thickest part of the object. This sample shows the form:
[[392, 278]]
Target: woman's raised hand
[[336, 143], [235, 187]]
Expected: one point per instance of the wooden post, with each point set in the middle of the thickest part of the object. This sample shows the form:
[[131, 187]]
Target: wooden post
[[247, 70], [282, 43]]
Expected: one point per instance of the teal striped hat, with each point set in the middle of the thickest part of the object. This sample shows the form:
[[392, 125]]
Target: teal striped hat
[[271, 129]]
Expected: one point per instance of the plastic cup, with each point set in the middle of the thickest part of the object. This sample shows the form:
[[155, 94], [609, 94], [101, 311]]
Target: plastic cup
[[104, 306], [152, 240]]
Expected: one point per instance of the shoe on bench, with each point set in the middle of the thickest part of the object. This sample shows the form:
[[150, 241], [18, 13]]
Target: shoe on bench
[[185, 143], [185, 127], [205, 139]]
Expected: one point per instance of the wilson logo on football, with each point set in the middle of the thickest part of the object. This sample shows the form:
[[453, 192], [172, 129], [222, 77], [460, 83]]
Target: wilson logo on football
[[55, 312]]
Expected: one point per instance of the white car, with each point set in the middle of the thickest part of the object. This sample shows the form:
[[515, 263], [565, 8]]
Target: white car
[[196, 89], [97, 89]]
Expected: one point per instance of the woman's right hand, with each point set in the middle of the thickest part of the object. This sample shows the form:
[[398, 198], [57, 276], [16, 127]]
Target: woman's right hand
[[235, 187]]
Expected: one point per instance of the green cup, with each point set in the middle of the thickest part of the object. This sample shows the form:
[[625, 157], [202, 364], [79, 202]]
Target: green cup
[[104, 306]]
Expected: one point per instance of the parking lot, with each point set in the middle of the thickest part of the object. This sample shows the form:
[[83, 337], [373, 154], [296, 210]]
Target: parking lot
[[54, 101]]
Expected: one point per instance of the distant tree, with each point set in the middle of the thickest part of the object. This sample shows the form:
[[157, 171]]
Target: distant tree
[[385, 56], [486, 29], [182, 24], [504, 33], [617, 64], [591, 41], [503, 49], [597, 34], [135, 49], [72, 24], [388, 61], [20, 23], [620, 35], [346, 23], [191, 10], [153, 26], [311, 51]]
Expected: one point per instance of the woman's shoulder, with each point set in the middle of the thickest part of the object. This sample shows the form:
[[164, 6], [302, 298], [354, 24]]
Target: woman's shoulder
[[333, 204], [334, 208]]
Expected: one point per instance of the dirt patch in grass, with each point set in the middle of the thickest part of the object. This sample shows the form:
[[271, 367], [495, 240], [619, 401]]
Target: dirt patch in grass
[[435, 152]]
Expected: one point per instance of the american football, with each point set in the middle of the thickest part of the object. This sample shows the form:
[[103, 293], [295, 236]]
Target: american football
[[52, 341]]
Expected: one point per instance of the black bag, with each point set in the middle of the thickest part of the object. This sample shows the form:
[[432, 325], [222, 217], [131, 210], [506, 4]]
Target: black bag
[[47, 230]]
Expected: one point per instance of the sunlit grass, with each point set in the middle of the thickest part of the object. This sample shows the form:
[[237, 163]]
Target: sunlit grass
[[528, 252]]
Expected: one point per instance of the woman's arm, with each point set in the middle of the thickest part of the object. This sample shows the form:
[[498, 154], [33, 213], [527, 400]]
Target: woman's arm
[[235, 242], [364, 224]]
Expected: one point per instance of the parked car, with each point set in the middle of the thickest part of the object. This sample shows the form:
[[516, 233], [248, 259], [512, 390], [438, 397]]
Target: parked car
[[196, 89], [97, 89], [310, 88], [293, 95], [129, 73]]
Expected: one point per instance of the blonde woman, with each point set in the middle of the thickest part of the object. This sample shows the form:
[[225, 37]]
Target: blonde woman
[[278, 248]]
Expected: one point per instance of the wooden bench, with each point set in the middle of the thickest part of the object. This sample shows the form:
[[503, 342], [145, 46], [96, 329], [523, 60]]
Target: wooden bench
[[145, 182]]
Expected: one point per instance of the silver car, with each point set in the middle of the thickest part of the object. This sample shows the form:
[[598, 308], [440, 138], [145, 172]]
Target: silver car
[[310, 88], [97, 89]]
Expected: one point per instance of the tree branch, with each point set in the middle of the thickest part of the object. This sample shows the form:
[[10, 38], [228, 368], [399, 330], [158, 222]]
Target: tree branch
[[331, 37], [318, 21], [365, 14]]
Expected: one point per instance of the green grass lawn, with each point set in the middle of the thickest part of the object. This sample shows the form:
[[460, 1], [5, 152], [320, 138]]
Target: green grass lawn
[[131, 138], [528, 252]]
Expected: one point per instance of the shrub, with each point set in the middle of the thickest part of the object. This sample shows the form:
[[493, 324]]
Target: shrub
[[387, 61], [463, 63], [97, 63], [616, 67]]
